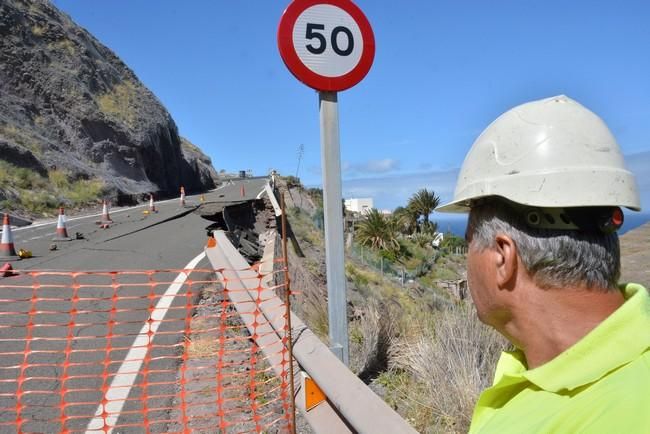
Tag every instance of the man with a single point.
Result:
(543, 185)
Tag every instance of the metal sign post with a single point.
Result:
(332, 209)
(329, 46)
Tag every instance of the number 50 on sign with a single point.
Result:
(326, 44)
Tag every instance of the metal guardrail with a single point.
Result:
(351, 406)
(274, 200)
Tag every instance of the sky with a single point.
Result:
(443, 70)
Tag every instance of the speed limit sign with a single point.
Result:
(329, 46)
(326, 44)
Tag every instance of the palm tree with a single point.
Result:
(377, 232)
(424, 202)
(406, 219)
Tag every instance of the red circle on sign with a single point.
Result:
(300, 70)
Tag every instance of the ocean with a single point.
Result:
(456, 225)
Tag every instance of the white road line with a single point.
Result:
(53, 222)
(129, 369)
(69, 228)
(37, 225)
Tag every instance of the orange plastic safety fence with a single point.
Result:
(140, 351)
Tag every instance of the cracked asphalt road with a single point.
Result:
(135, 241)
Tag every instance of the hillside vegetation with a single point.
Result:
(414, 339)
(37, 195)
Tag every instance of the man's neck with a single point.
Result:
(553, 320)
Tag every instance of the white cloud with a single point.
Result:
(379, 166)
(385, 165)
(392, 190)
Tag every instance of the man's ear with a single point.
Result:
(505, 261)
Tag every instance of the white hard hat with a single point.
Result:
(548, 153)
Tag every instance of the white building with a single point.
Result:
(437, 239)
(359, 205)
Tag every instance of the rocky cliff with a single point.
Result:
(69, 103)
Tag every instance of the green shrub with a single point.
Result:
(86, 191)
(360, 281)
(20, 137)
(316, 195)
(293, 181)
(42, 196)
(451, 241)
(59, 179)
(423, 239)
(445, 273)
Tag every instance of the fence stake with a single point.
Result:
(287, 302)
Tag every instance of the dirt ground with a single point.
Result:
(229, 386)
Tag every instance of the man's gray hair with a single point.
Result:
(555, 258)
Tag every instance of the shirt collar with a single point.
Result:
(619, 339)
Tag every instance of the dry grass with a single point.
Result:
(202, 346)
(449, 363)
(63, 47)
(303, 227)
(203, 342)
(189, 146)
(20, 136)
(38, 30)
(42, 196)
(314, 311)
(120, 102)
(372, 335)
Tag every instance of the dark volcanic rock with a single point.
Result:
(21, 157)
(67, 101)
(198, 164)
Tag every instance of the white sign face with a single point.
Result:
(327, 40)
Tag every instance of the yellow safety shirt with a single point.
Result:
(599, 385)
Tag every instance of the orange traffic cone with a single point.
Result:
(105, 217)
(182, 196)
(7, 249)
(61, 230)
(7, 270)
(243, 191)
(152, 206)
